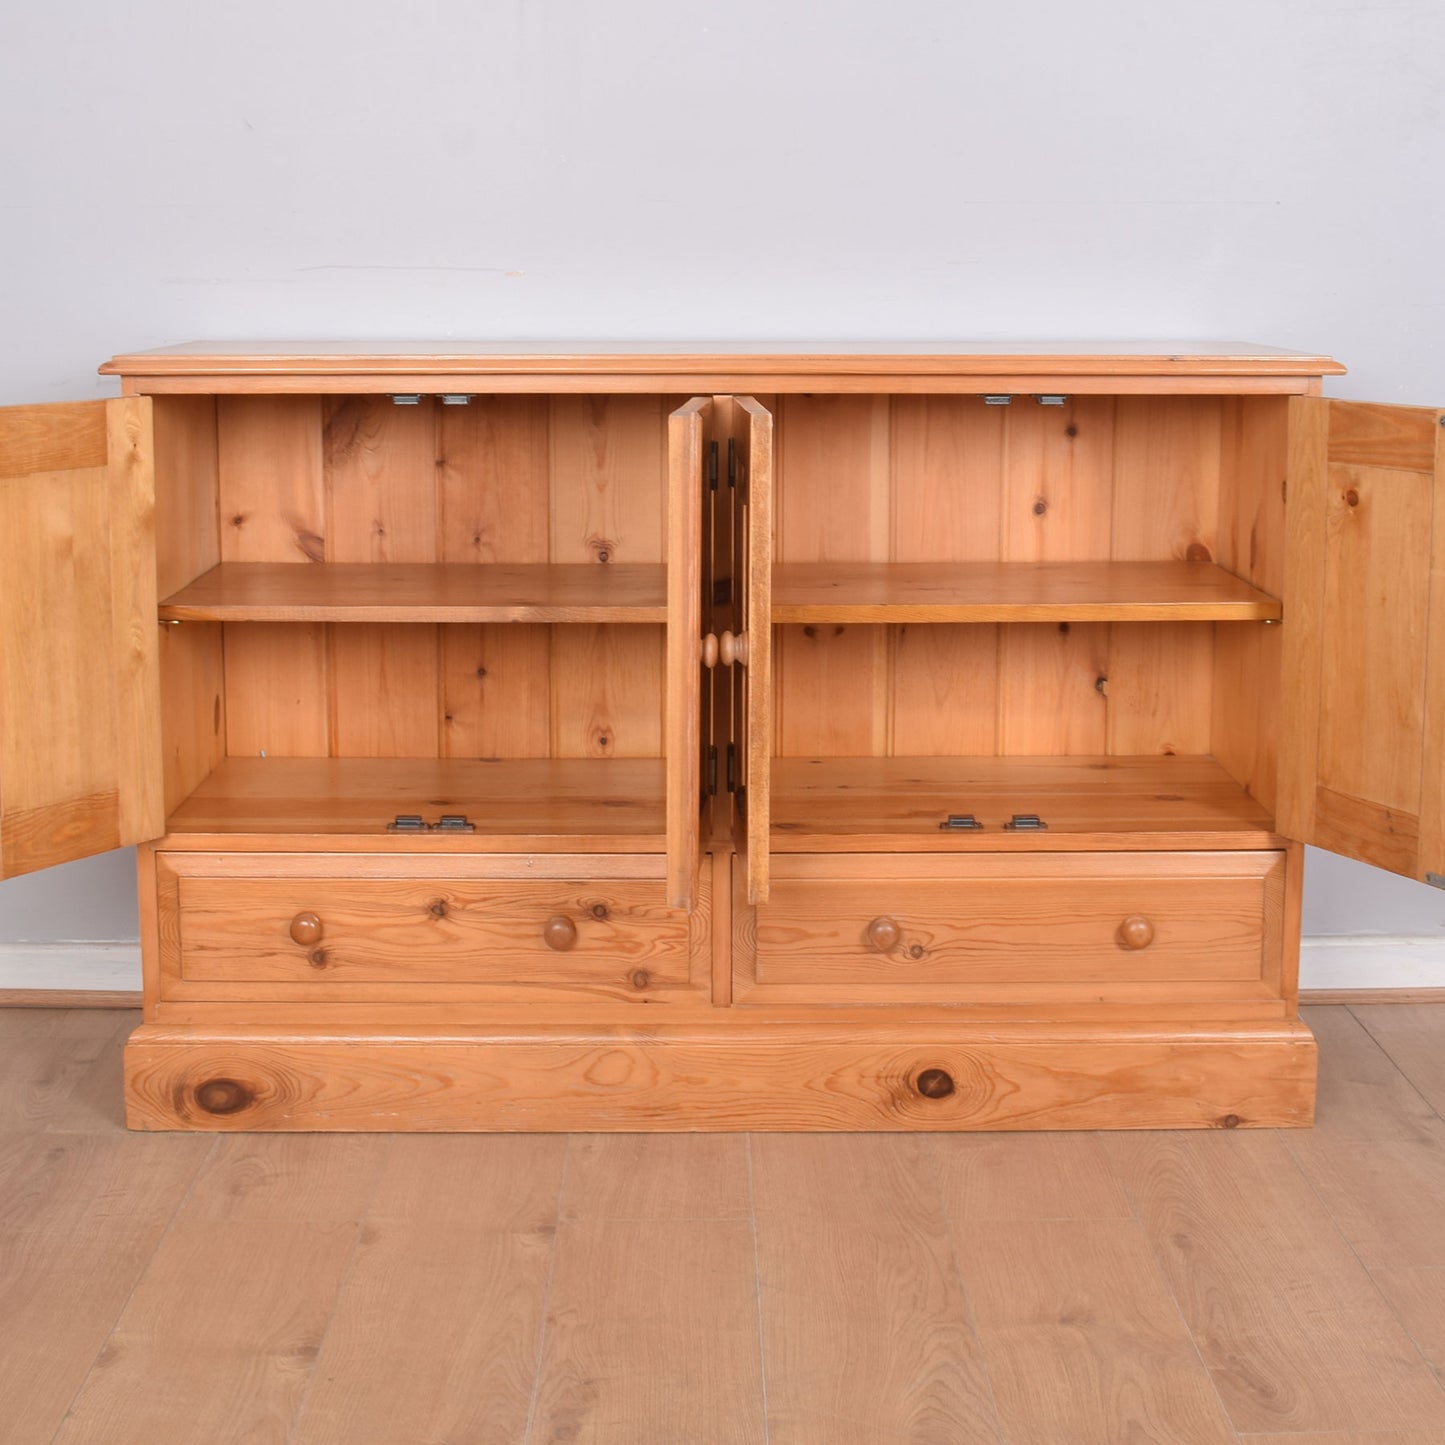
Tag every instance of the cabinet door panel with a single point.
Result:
(80, 758)
(753, 445)
(1365, 634)
(689, 430)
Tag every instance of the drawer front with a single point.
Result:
(294, 935)
(1081, 927)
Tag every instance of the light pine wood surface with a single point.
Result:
(785, 1289)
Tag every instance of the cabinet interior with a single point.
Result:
(385, 608)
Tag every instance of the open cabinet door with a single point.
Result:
(80, 750)
(1363, 766)
(689, 433)
(751, 469)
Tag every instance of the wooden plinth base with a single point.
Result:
(757, 1078)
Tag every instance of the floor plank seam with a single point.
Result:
(201, 1164)
(1395, 1064)
(1159, 1268)
(758, 1296)
(547, 1291)
(362, 1216)
(931, 1147)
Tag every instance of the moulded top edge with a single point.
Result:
(741, 358)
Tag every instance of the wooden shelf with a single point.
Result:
(1015, 592)
(897, 804)
(422, 592)
(540, 804)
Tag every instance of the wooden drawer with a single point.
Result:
(1013, 928)
(363, 927)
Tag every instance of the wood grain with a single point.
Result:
(1080, 1327)
(80, 754)
(1288, 1322)
(632, 1354)
(1014, 592)
(866, 1333)
(1067, 1075)
(422, 592)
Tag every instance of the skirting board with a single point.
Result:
(1329, 964)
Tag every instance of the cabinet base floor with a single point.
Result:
(758, 1077)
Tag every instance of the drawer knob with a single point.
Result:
(559, 932)
(1136, 932)
(935, 1083)
(884, 934)
(306, 929)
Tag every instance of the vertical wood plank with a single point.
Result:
(492, 479)
(1058, 480)
(1160, 689)
(272, 490)
(945, 690)
(946, 479)
(381, 494)
(831, 503)
(608, 489)
(1166, 478)
(754, 426)
(273, 509)
(1049, 699)
(276, 689)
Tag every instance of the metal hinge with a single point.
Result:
(712, 466)
(407, 823)
(1026, 823)
(732, 462)
(722, 592)
(712, 772)
(959, 822)
(732, 767)
(454, 823)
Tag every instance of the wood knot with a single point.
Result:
(1041, 506)
(1230, 1121)
(317, 959)
(599, 910)
(934, 1083)
(1198, 552)
(438, 908)
(223, 1096)
(1352, 498)
(915, 950)
(639, 978)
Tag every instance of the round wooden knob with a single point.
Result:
(1136, 932)
(884, 933)
(710, 650)
(559, 932)
(223, 1096)
(935, 1083)
(732, 647)
(306, 929)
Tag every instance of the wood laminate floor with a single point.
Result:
(855, 1289)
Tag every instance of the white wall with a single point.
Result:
(1248, 169)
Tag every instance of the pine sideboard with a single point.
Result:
(721, 736)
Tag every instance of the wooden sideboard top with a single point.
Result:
(1032, 358)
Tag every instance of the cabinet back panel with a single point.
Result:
(1014, 690)
(503, 479)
